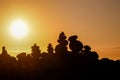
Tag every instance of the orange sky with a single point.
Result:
(96, 22)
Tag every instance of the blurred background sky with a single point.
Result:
(96, 22)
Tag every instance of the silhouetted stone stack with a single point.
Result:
(61, 48)
(36, 52)
(50, 49)
(75, 45)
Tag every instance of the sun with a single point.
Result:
(19, 29)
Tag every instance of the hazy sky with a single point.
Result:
(96, 22)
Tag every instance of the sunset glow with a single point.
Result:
(96, 22)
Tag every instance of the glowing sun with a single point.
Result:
(19, 28)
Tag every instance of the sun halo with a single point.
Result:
(18, 29)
